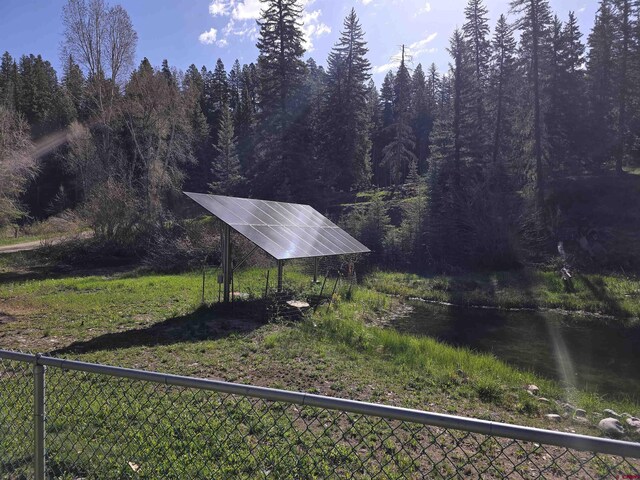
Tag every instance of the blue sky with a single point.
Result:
(200, 31)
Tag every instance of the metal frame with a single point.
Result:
(227, 270)
(311, 219)
(280, 272)
(485, 427)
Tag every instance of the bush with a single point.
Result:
(180, 246)
(114, 213)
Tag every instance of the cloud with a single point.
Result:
(312, 27)
(425, 9)
(418, 47)
(247, 10)
(241, 15)
(386, 67)
(237, 9)
(411, 51)
(218, 7)
(207, 38)
(366, 2)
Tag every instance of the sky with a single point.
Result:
(201, 31)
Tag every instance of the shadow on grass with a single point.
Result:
(57, 272)
(205, 323)
(599, 290)
(14, 468)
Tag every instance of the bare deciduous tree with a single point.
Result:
(102, 40)
(17, 163)
(155, 114)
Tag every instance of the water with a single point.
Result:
(590, 354)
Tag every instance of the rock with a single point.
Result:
(611, 426)
(581, 420)
(580, 413)
(553, 417)
(544, 400)
(633, 422)
(611, 413)
(569, 408)
(297, 304)
(533, 389)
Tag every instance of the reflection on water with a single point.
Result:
(584, 353)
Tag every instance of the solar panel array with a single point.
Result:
(283, 230)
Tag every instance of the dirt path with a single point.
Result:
(26, 246)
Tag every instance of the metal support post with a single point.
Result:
(280, 267)
(315, 270)
(226, 262)
(39, 419)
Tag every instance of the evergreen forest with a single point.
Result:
(504, 158)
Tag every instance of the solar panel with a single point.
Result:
(283, 230)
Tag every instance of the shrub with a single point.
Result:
(113, 211)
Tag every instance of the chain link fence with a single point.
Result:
(110, 423)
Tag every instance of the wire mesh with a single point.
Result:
(16, 420)
(107, 427)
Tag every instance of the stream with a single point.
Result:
(590, 354)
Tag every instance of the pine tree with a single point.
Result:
(535, 18)
(458, 51)
(198, 173)
(280, 156)
(575, 88)
(8, 81)
(503, 80)
(387, 99)
(218, 97)
(166, 71)
(554, 115)
(601, 74)
(434, 85)
(398, 153)
(314, 91)
(220, 87)
(625, 15)
(374, 115)
(74, 83)
(245, 121)
(226, 164)
(476, 35)
(235, 86)
(422, 116)
(38, 95)
(567, 97)
(451, 174)
(347, 142)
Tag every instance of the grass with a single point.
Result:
(156, 322)
(632, 170)
(609, 295)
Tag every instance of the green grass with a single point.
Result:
(54, 313)
(610, 295)
(156, 322)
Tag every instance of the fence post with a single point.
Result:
(39, 418)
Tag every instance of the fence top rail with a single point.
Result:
(518, 432)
